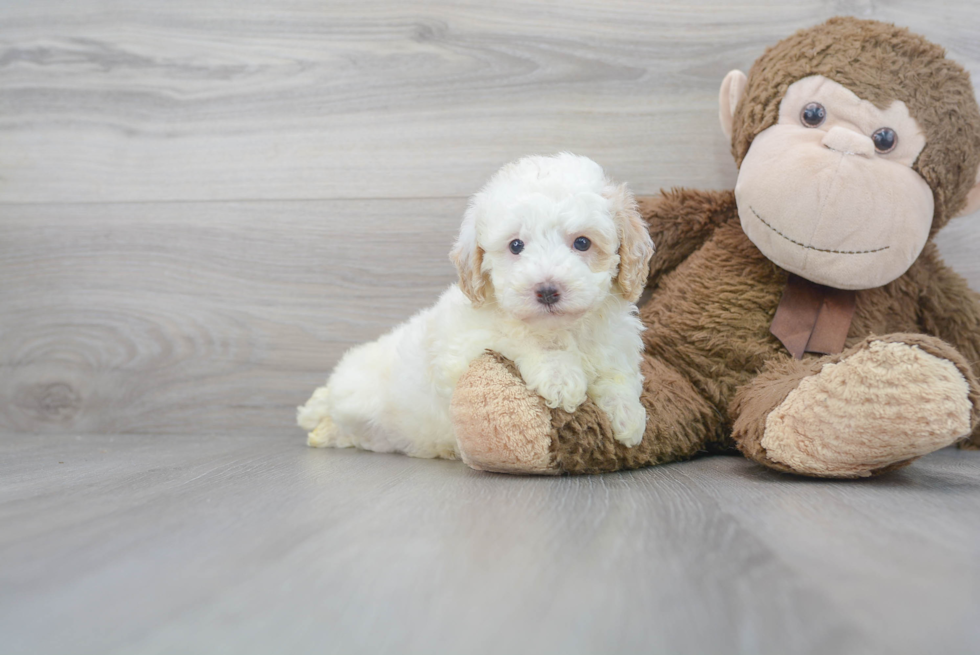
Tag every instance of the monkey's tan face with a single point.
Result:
(829, 192)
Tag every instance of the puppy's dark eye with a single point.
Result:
(813, 114)
(885, 140)
(582, 243)
(516, 246)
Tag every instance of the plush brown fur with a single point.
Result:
(708, 339)
(713, 371)
(879, 63)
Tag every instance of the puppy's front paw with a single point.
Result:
(627, 415)
(559, 386)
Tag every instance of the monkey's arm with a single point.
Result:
(950, 309)
(680, 221)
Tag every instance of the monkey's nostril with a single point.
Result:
(547, 294)
(848, 142)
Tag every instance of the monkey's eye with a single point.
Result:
(582, 243)
(885, 140)
(813, 114)
(516, 246)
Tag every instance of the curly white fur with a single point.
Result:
(393, 395)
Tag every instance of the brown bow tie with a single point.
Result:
(813, 318)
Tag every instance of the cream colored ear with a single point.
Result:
(635, 245)
(732, 88)
(468, 258)
(972, 199)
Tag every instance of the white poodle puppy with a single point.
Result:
(551, 257)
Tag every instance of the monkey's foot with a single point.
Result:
(500, 424)
(887, 403)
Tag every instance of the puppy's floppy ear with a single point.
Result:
(635, 245)
(468, 258)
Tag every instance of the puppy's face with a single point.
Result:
(549, 238)
(551, 257)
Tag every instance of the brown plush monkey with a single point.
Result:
(805, 318)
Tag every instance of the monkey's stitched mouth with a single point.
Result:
(803, 245)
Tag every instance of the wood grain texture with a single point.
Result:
(242, 99)
(139, 544)
(166, 317)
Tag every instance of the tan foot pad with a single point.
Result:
(888, 403)
(501, 425)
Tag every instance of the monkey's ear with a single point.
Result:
(467, 255)
(972, 199)
(635, 245)
(732, 90)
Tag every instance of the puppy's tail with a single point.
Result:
(314, 417)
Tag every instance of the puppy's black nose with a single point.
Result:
(547, 294)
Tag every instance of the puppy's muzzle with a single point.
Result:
(547, 294)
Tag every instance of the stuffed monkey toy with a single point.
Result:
(805, 318)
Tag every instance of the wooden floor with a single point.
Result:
(203, 203)
(147, 544)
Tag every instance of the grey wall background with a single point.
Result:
(202, 204)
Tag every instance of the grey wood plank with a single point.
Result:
(865, 545)
(140, 544)
(222, 99)
(201, 318)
